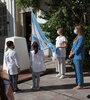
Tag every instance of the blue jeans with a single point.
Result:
(14, 79)
(78, 64)
(36, 75)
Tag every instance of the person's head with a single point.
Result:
(10, 45)
(35, 46)
(60, 31)
(79, 30)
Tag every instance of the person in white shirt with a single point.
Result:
(61, 44)
(37, 65)
(12, 64)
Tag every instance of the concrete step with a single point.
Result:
(26, 75)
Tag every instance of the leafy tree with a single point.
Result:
(66, 14)
(63, 13)
(27, 3)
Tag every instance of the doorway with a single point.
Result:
(28, 29)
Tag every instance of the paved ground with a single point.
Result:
(53, 88)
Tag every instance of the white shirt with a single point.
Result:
(37, 61)
(59, 42)
(11, 60)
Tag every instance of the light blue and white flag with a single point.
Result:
(39, 37)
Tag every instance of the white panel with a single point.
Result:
(46, 52)
(1, 1)
(21, 49)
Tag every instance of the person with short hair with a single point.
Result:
(12, 64)
(37, 65)
(61, 44)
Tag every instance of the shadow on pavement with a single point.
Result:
(88, 96)
(56, 87)
(69, 69)
(66, 86)
(87, 85)
(26, 91)
(86, 74)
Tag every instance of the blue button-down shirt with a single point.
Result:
(79, 48)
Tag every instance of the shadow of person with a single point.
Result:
(88, 96)
(57, 87)
(65, 86)
(86, 85)
(25, 91)
(48, 88)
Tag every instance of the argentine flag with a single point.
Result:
(39, 37)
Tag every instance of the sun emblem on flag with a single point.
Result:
(46, 44)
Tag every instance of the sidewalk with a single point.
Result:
(53, 88)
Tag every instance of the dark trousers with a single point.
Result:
(13, 79)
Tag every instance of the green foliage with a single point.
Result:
(27, 3)
(66, 15)
(87, 46)
(63, 13)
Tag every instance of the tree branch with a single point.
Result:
(69, 6)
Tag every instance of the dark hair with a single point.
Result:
(35, 45)
(2, 90)
(61, 31)
(9, 44)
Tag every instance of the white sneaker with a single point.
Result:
(58, 75)
(14, 92)
(62, 76)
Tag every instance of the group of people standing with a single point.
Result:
(76, 53)
(37, 59)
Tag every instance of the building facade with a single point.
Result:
(14, 21)
(7, 21)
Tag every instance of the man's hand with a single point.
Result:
(71, 54)
(18, 70)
